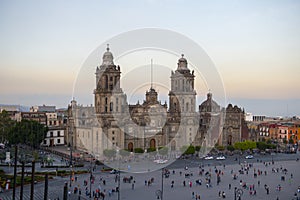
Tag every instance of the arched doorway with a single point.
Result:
(130, 146)
(229, 140)
(152, 143)
(173, 145)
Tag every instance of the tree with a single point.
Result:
(124, 152)
(138, 150)
(245, 145)
(197, 148)
(28, 132)
(188, 149)
(151, 149)
(220, 148)
(6, 124)
(230, 148)
(261, 145)
(291, 141)
(163, 151)
(109, 153)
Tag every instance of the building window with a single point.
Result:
(113, 138)
(45, 141)
(113, 132)
(51, 134)
(111, 106)
(58, 141)
(58, 133)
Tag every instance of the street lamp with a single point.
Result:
(162, 183)
(119, 175)
(91, 176)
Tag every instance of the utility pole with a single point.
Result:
(32, 180)
(15, 172)
(22, 180)
(65, 195)
(46, 187)
(162, 184)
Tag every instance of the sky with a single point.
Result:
(255, 46)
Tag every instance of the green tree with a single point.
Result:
(291, 141)
(245, 145)
(188, 149)
(261, 145)
(6, 124)
(220, 148)
(124, 152)
(197, 148)
(163, 151)
(230, 148)
(28, 132)
(138, 150)
(151, 149)
(109, 153)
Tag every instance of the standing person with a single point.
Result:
(132, 185)
(223, 195)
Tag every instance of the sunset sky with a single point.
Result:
(255, 46)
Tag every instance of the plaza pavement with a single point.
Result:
(179, 192)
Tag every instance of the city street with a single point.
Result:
(272, 179)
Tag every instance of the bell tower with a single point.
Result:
(110, 101)
(182, 96)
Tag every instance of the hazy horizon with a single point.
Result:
(254, 45)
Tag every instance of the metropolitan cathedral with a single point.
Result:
(114, 124)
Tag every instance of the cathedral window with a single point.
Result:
(106, 82)
(111, 106)
(111, 87)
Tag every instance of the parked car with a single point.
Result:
(160, 161)
(209, 158)
(249, 157)
(220, 158)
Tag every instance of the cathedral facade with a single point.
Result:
(151, 124)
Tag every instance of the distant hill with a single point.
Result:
(14, 107)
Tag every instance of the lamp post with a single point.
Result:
(162, 183)
(91, 175)
(119, 175)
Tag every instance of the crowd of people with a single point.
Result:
(247, 177)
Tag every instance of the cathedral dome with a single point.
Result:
(182, 63)
(209, 105)
(108, 58)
